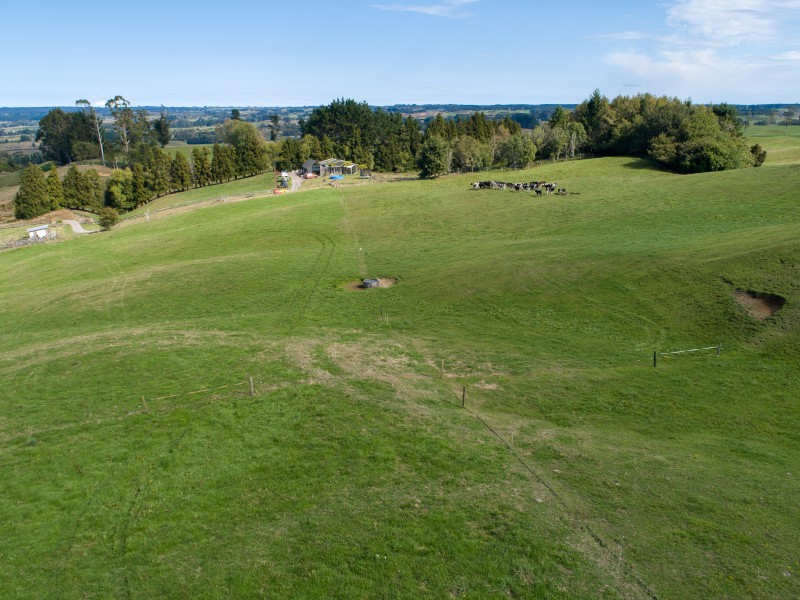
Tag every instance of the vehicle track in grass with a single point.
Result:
(71, 542)
(303, 292)
(130, 514)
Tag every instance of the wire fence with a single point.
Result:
(143, 408)
(579, 522)
(675, 353)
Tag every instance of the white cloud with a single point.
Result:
(711, 47)
(447, 8)
(622, 36)
(731, 21)
(790, 55)
(686, 65)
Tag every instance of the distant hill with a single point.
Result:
(35, 113)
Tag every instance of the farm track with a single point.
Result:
(302, 294)
(129, 515)
(348, 225)
(120, 541)
(72, 541)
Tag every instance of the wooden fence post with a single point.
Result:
(252, 388)
(463, 395)
(655, 358)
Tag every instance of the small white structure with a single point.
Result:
(39, 232)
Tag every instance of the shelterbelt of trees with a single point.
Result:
(143, 171)
(679, 135)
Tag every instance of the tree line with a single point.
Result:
(678, 135)
(149, 172)
(388, 142)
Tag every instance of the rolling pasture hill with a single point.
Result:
(139, 462)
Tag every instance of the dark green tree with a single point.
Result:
(119, 190)
(140, 191)
(759, 155)
(593, 114)
(55, 191)
(65, 135)
(180, 172)
(342, 121)
(559, 118)
(162, 128)
(435, 157)
(94, 190)
(700, 145)
(32, 198)
(201, 166)
(249, 146)
(437, 127)
(75, 189)
(142, 132)
(108, 218)
(274, 127)
(291, 155)
(326, 147)
(223, 163)
(160, 173)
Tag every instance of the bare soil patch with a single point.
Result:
(759, 306)
(482, 385)
(358, 284)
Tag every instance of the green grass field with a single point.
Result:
(257, 185)
(186, 149)
(137, 464)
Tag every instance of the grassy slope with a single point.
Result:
(352, 472)
(262, 184)
(174, 147)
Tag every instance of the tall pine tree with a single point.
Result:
(201, 166)
(180, 172)
(55, 190)
(32, 198)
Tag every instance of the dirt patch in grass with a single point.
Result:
(358, 284)
(486, 386)
(759, 306)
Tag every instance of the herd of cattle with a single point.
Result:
(539, 187)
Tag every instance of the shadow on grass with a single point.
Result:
(641, 164)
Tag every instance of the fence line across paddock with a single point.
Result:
(718, 348)
(656, 354)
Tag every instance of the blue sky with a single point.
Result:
(264, 53)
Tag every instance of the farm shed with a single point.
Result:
(330, 166)
(39, 232)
